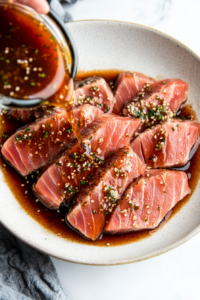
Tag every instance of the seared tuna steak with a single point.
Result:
(158, 102)
(96, 202)
(37, 144)
(147, 200)
(28, 115)
(94, 91)
(128, 85)
(73, 170)
(167, 145)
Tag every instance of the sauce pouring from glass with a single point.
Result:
(38, 60)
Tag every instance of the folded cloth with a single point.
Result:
(26, 274)
(56, 6)
(68, 1)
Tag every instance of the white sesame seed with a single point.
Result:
(99, 151)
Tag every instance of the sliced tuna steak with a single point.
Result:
(28, 115)
(94, 91)
(96, 202)
(128, 85)
(41, 141)
(157, 102)
(147, 200)
(73, 170)
(167, 145)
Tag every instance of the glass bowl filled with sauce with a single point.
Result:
(37, 56)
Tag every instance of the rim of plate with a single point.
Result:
(138, 258)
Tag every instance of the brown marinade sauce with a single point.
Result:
(31, 61)
(54, 221)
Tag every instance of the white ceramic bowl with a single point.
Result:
(124, 46)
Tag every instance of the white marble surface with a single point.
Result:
(174, 275)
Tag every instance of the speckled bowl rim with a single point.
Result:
(154, 253)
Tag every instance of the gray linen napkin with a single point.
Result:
(26, 274)
(56, 6)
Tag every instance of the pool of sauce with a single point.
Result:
(53, 220)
